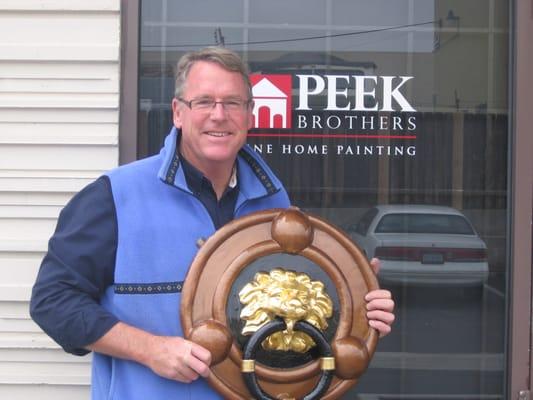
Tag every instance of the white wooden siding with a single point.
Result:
(59, 99)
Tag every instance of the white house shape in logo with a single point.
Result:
(267, 95)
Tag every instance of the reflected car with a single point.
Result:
(422, 245)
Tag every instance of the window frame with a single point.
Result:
(521, 202)
(129, 80)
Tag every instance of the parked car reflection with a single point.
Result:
(422, 244)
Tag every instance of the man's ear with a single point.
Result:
(176, 113)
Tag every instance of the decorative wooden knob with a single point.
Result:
(292, 230)
(215, 337)
(351, 357)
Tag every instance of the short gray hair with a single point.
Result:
(227, 59)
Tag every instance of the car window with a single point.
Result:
(424, 223)
(364, 223)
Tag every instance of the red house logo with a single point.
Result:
(272, 101)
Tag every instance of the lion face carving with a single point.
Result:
(289, 295)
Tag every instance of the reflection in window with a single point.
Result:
(424, 223)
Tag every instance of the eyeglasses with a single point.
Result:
(230, 105)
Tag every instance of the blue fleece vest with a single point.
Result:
(159, 221)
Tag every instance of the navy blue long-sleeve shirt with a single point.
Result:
(80, 263)
(76, 270)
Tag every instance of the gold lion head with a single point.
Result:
(289, 295)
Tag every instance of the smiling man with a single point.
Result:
(213, 131)
(111, 279)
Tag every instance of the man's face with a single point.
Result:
(212, 138)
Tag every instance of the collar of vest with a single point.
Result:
(254, 176)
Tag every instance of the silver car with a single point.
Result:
(422, 244)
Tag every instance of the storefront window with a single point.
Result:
(390, 119)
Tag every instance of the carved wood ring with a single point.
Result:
(257, 242)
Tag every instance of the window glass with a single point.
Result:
(282, 12)
(365, 221)
(363, 104)
(204, 11)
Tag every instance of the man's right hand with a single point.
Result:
(170, 357)
(178, 359)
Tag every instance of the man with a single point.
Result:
(111, 280)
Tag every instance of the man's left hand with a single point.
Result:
(380, 306)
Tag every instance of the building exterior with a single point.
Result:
(357, 104)
(59, 113)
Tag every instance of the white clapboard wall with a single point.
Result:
(59, 111)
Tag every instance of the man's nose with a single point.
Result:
(218, 111)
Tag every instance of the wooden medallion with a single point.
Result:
(314, 265)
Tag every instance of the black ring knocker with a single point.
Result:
(327, 362)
